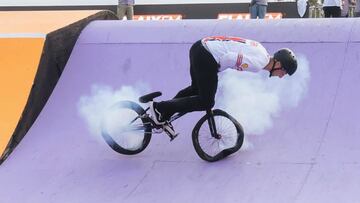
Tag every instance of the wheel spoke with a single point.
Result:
(125, 126)
(225, 128)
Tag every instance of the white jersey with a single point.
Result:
(237, 53)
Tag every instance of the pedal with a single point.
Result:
(172, 137)
(169, 130)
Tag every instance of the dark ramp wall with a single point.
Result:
(310, 155)
(56, 52)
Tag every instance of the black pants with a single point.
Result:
(200, 95)
(332, 11)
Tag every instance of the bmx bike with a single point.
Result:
(215, 136)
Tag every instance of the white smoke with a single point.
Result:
(255, 99)
(99, 109)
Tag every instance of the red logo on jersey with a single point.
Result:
(253, 43)
(239, 62)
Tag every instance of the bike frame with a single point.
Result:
(210, 120)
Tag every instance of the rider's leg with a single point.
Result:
(186, 92)
(189, 91)
(205, 70)
(192, 89)
(207, 82)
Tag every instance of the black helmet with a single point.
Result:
(287, 59)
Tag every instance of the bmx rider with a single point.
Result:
(211, 55)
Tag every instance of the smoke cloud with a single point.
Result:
(255, 99)
(99, 109)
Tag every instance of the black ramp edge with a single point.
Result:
(56, 52)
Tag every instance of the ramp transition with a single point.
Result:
(311, 154)
(35, 47)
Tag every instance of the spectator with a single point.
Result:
(315, 8)
(125, 7)
(345, 8)
(357, 8)
(332, 8)
(348, 9)
(352, 6)
(258, 9)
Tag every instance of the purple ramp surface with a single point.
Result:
(311, 154)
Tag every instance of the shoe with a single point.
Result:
(169, 129)
(157, 130)
(156, 115)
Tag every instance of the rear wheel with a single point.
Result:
(229, 139)
(124, 130)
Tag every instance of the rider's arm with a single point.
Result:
(231, 60)
(251, 59)
(244, 62)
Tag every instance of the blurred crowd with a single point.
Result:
(258, 8)
(334, 8)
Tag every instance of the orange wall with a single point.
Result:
(38, 21)
(19, 59)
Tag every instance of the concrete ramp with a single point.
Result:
(311, 154)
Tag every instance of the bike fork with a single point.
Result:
(212, 125)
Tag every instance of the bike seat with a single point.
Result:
(149, 97)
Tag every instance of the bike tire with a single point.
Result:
(144, 125)
(197, 136)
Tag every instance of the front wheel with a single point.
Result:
(229, 138)
(125, 129)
